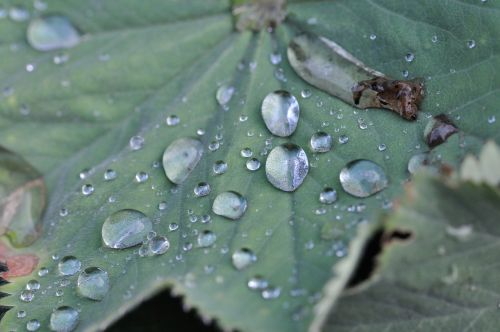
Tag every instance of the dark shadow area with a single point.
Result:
(163, 312)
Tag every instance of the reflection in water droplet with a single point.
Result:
(328, 196)
(224, 94)
(417, 162)
(69, 265)
(321, 142)
(33, 325)
(64, 319)
(51, 33)
(280, 111)
(181, 157)
(206, 238)
(253, 164)
(287, 166)
(242, 258)
(220, 167)
(363, 178)
(125, 228)
(93, 283)
(230, 204)
(257, 283)
(158, 245)
(202, 189)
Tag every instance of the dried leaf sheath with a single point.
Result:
(327, 66)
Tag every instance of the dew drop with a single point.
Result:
(93, 283)
(492, 119)
(206, 238)
(242, 258)
(230, 204)
(87, 189)
(27, 295)
(417, 162)
(141, 177)
(64, 319)
(253, 164)
(257, 283)
(321, 142)
(202, 189)
(287, 166)
(19, 14)
(181, 157)
(158, 245)
(51, 33)
(33, 325)
(172, 120)
(136, 143)
(280, 111)
(21, 314)
(69, 265)
(224, 94)
(382, 147)
(271, 293)
(328, 196)
(373, 36)
(409, 57)
(219, 167)
(306, 93)
(275, 58)
(125, 228)
(43, 272)
(343, 139)
(363, 178)
(471, 43)
(33, 285)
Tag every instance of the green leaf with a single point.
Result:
(444, 277)
(139, 62)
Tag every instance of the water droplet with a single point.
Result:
(59, 292)
(125, 228)
(33, 285)
(306, 93)
(158, 245)
(181, 157)
(27, 295)
(59, 59)
(373, 36)
(328, 196)
(271, 293)
(471, 43)
(64, 319)
(224, 94)
(257, 283)
(409, 57)
(173, 227)
(280, 111)
(43, 272)
(343, 139)
(202, 189)
(93, 283)
(287, 166)
(109, 175)
(136, 143)
(33, 325)
(172, 120)
(321, 142)
(242, 258)
(141, 177)
(492, 119)
(19, 14)
(21, 314)
(69, 265)
(230, 204)
(382, 147)
(438, 129)
(418, 161)
(51, 33)
(220, 167)
(253, 164)
(363, 178)
(275, 58)
(434, 39)
(206, 238)
(87, 189)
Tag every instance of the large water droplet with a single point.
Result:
(93, 283)
(362, 178)
(64, 319)
(125, 228)
(69, 265)
(158, 245)
(321, 142)
(287, 166)
(242, 258)
(230, 204)
(51, 33)
(181, 157)
(280, 111)
(206, 238)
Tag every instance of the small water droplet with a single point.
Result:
(257, 283)
(109, 175)
(33, 285)
(173, 227)
(328, 196)
(43, 272)
(202, 189)
(87, 189)
(275, 58)
(280, 111)
(409, 57)
(229, 204)
(19, 14)
(33, 325)
(220, 167)
(343, 139)
(64, 319)
(434, 39)
(51, 33)
(373, 36)
(172, 120)
(61, 58)
(306, 93)
(206, 238)
(181, 157)
(471, 43)
(141, 177)
(382, 147)
(125, 228)
(63, 212)
(321, 142)
(271, 293)
(242, 258)
(363, 178)
(27, 295)
(93, 283)
(69, 265)
(253, 164)
(136, 143)
(287, 166)
(492, 119)
(21, 314)
(224, 94)
(158, 245)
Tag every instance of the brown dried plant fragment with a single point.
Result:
(329, 67)
(438, 130)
